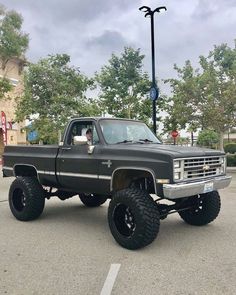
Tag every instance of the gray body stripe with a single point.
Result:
(105, 177)
(94, 176)
(7, 168)
(46, 172)
(78, 175)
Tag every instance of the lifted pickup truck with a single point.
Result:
(125, 162)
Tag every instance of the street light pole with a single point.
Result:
(154, 92)
(154, 85)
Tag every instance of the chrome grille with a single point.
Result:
(201, 167)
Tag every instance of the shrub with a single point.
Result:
(230, 148)
(207, 138)
(231, 160)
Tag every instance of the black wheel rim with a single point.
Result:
(90, 196)
(198, 204)
(124, 220)
(18, 199)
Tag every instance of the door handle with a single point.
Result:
(66, 148)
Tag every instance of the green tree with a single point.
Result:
(206, 97)
(54, 92)
(5, 86)
(208, 138)
(219, 84)
(182, 113)
(124, 86)
(13, 43)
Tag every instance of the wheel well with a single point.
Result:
(25, 170)
(124, 178)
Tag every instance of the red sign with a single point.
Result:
(4, 127)
(174, 133)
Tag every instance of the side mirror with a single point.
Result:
(80, 140)
(90, 149)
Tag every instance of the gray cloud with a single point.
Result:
(72, 10)
(107, 42)
(206, 9)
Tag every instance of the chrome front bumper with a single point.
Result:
(180, 190)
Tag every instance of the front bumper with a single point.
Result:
(181, 190)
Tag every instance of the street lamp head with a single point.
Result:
(158, 9)
(149, 12)
(145, 8)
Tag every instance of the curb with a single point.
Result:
(231, 169)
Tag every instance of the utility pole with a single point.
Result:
(154, 91)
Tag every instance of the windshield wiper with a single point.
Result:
(141, 141)
(145, 140)
(148, 140)
(124, 141)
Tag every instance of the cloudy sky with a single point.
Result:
(90, 30)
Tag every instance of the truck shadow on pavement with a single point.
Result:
(74, 213)
(173, 231)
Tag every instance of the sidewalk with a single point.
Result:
(231, 169)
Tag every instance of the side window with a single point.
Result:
(83, 128)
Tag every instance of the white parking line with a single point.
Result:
(110, 280)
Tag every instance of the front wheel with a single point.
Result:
(205, 208)
(92, 200)
(26, 198)
(133, 218)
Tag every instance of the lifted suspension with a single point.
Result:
(62, 195)
(166, 210)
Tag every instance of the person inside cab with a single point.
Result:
(89, 136)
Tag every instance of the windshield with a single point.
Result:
(119, 131)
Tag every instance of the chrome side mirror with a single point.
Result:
(80, 140)
(90, 149)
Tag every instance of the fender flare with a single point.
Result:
(24, 166)
(134, 168)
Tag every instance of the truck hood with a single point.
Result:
(170, 150)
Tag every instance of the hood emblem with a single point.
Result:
(206, 167)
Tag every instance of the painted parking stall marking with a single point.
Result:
(110, 280)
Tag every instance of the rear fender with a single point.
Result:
(25, 170)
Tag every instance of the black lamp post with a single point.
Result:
(154, 92)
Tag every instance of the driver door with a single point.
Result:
(78, 170)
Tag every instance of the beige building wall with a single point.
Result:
(12, 71)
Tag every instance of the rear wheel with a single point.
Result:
(92, 200)
(26, 198)
(205, 208)
(133, 218)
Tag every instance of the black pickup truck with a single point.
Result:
(125, 162)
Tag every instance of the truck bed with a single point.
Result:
(42, 157)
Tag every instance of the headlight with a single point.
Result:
(178, 169)
(177, 175)
(222, 160)
(223, 165)
(176, 164)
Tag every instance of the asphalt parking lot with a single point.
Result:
(69, 250)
